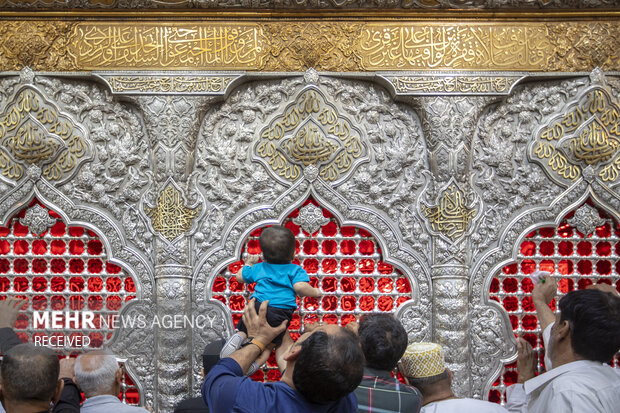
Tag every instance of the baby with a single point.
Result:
(277, 280)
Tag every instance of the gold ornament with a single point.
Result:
(170, 217)
(451, 217)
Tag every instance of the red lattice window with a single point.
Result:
(343, 261)
(575, 260)
(63, 269)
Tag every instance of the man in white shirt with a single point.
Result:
(423, 366)
(585, 334)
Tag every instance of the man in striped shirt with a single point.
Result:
(383, 340)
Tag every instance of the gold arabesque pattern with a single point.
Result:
(588, 134)
(34, 131)
(297, 44)
(310, 131)
(170, 217)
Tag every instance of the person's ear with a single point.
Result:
(60, 384)
(563, 330)
(293, 354)
(119, 376)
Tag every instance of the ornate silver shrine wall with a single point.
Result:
(429, 172)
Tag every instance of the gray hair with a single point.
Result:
(95, 373)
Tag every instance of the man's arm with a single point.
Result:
(542, 294)
(304, 289)
(262, 333)
(9, 309)
(69, 401)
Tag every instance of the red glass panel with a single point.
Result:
(237, 302)
(603, 267)
(347, 284)
(367, 284)
(527, 304)
(235, 266)
(57, 266)
(20, 284)
(547, 232)
(547, 248)
(234, 285)
(584, 267)
(604, 231)
(329, 265)
(566, 285)
(367, 266)
(114, 303)
(528, 248)
(510, 269)
(95, 302)
(584, 248)
(494, 285)
(58, 247)
(347, 247)
(76, 247)
(39, 247)
(5, 284)
(76, 265)
(113, 284)
(510, 285)
(347, 266)
(253, 247)
(95, 284)
(311, 265)
(330, 229)
(584, 283)
(529, 322)
(603, 249)
(348, 303)
(39, 266)
(112, 268)
(384, 268)
(95, 247)
(329, 303)
(565, 248)
(403, 286)
(528, 266)
(19, 230)
(367, 247)
(329, 284)
(95, 265)
(511, 303)
(386, 285)
(21, 247)
(346, 319)
(76, 284)
(329, 247)
(386, 303)
(311, 247)
(367, 303)
(311, 303)
(76, 303)
(347, 231)
(57, 303)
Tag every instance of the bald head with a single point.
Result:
(96, 373)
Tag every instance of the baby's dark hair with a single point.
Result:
(278, 244)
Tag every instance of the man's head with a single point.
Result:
(383, 339)
(30, 375)
(278, 244)
(590, 321)
(424, 367)
(97, 373)
(328, 364)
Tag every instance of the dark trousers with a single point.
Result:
(275, 316)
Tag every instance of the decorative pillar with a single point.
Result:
(173, 123)
(450, 207)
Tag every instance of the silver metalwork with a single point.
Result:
(37, 219)
(310, 218)
(586, 219)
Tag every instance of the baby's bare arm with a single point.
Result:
(304, 289)
(239, 276)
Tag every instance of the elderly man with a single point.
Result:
(584, 335)
(323, 368)
(423, 366)
(384, 340)
(99, 376)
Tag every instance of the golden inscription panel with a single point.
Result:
(349, 45)
(451, 217)
(166, 45)
(461, 47)
(170, 217)
(587, 134)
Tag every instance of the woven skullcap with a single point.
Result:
(422, 360)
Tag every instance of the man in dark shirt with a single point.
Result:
(384, 341)
(323, 368)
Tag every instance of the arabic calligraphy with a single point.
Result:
(310, 131)
(34, 131)
(174, 46)
(451, 217)
(169, 84)
(463, 46)
(588, 133)
(170, 217)
(472, 85)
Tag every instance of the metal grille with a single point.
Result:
(575, 260)
(63, 269)
(343, 261)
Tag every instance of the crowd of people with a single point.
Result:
(335, 369)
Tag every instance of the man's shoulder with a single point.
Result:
(460, 405)
(588, 376)
(195, 404)
(105, 403)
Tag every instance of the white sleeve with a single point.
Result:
(516, 399)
